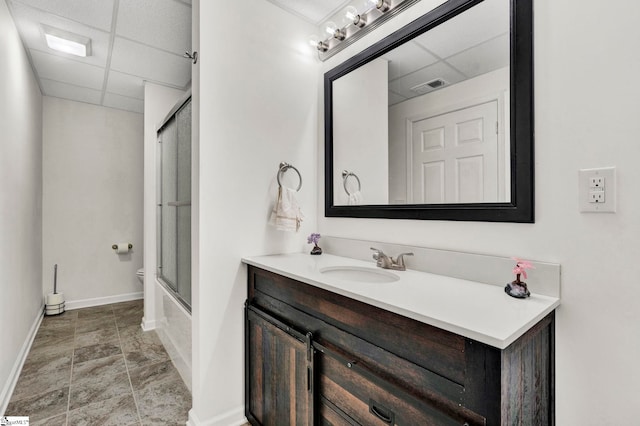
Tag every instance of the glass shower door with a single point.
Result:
(174, 222)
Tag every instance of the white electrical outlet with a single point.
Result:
(594, 195)
(596, 182)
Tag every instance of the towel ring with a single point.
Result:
(283, 168)
(345, 176)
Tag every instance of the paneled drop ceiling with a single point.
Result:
(132, 41)
(469, 45)
(313, 11)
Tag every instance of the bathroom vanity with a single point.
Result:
(411, 349)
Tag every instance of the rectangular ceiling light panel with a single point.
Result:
(64, 41)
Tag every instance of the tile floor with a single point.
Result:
(96, 366)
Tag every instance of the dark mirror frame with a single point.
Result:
(521, 207)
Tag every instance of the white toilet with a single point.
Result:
(140, 275)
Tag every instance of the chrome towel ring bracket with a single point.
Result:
(345, 176)
(283, 168)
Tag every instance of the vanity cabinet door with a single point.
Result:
(278, 373)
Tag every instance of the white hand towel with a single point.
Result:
(286, 214)
(355, 198)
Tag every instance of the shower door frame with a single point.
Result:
(169, 285)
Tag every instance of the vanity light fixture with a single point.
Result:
(333, 30)
(351, 16)
(316, 43)
(382, 5)
(64, 41)
(357, 24)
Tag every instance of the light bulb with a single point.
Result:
(369, 4)
(350, 14)
(314, 40)
(331, 28)
(335, 32)
(316, 43)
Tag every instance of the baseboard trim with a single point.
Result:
(231, 418)
(148, 325)
(97, 301)
(10, 385)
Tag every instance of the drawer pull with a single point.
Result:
(381, 412)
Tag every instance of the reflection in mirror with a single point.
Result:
(429, 121)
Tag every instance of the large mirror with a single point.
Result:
(436, 120)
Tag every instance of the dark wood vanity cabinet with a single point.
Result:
(279, 374)
(315, 357)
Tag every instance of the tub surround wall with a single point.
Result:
(92, 198)
(257, 106)
(20, 205)
(577, 125)
(174, 329)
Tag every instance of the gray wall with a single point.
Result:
(20, 203)
(93, 198)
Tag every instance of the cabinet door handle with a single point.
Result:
(381, 412)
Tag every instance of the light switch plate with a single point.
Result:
(597, 190)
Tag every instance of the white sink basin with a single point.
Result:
(360, 274)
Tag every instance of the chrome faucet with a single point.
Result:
(386, 262)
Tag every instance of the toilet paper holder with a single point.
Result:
(115, 246)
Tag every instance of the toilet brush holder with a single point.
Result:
(55, 304)
(55, 300)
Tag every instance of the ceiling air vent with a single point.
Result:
(429, 86)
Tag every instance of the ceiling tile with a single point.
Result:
(126, 85)
(394, 98)
(162, 23)
(54, 67)
(165, 24)
(95, 13)
(482, 22)
(29, 20)
(150, 64)
(123, 102)
(408, 58)
(486, 57)
(402, 86)
(69, 91)
(313, 11)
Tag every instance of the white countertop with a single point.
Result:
(475, 310)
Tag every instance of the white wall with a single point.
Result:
(361, 133)
(20, 204)
(256, 102)
(93, 179)
(580, 123)
(161, 311)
